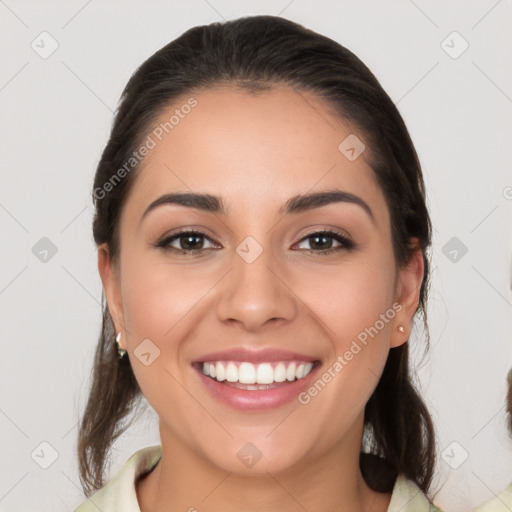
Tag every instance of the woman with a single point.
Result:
(262, 242)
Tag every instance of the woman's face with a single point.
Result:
(258, 281)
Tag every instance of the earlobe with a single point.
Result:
(110, 281)
(407, 294)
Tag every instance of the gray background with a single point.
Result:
(56, 115)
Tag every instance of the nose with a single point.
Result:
(256, 294)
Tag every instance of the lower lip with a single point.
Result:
(244, 399)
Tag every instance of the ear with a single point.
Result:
(110, 278)
(407, 294)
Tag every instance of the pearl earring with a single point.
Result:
(401, 328)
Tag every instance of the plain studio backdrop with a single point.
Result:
(446, 65)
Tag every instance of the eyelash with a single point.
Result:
(346, 243)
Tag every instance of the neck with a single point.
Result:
(185, 481)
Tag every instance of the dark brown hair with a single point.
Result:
(255, 53)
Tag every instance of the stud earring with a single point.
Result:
(401, 328)
(121, 351)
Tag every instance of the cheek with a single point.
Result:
(156, 296)
(355, 306)
(158, 303)
(351, 296)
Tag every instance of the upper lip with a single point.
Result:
(253, 355)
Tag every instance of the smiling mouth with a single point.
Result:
(249, 376)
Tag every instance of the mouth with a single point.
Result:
(252, 377)
(256, 386)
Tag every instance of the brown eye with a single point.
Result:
(322, 242)
(190, 242)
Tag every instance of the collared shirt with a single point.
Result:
(119, 494)
(501, 503)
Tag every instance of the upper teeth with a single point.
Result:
(264, 373)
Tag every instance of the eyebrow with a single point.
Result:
(296, 204)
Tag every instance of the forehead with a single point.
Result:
(253, 150)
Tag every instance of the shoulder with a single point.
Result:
(408, 497)
(500, 503)
(119, 494)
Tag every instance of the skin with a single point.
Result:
(256, 151)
